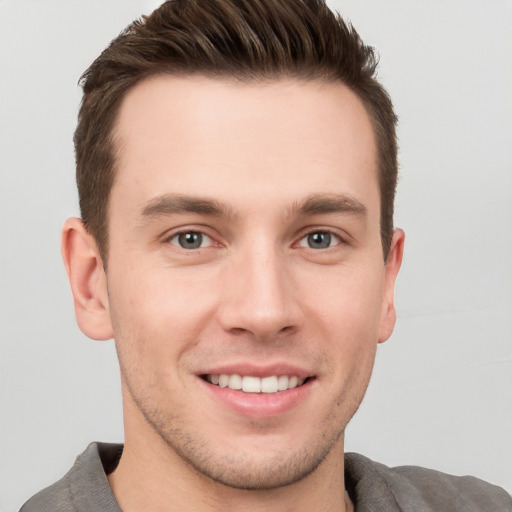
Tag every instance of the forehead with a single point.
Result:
(283, 138)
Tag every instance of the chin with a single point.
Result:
(250, 470)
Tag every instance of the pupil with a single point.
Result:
(190, 240)
(319, 240)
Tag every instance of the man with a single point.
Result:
(236, 166)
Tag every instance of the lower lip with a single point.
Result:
(261, 405)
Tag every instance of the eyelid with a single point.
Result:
(342, 238)
(205, 239)
(304, 242)
(171, 234)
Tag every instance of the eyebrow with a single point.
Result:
(318, 204)
(315, 204)
(169, 204)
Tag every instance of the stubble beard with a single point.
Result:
(241, 470)
(248, 469)
(244, 470)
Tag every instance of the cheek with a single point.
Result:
(350, 300)
(347, 326)
(141, 285)
(156, 315)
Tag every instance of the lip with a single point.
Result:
(257, 370)
(258, 405)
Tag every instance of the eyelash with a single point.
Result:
(331, 234)
(185, 233)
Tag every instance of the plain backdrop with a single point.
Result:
(441, 394)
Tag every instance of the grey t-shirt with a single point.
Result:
(373, 487)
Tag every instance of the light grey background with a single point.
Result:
(441, 394)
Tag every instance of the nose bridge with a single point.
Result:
(259, 298)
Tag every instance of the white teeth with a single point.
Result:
(269, 384)
(250, 384)
(282, 382)
(235, 382)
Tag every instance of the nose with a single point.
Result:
(258, 295)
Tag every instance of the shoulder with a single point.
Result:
(55, 497)
(419, 489)
(84, 487)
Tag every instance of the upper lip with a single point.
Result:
(253, 370)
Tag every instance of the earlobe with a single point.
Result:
(88, 281)
(393, 263)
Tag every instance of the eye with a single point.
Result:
(319, 240)
(191, 240)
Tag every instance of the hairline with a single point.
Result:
(254, 77)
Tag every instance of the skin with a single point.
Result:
(279, 161)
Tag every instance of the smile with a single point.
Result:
(251, 384)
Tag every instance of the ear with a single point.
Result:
(393, 263)
(88, 280)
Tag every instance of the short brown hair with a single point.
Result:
(240, 39)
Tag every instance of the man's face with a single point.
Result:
(245, 248)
